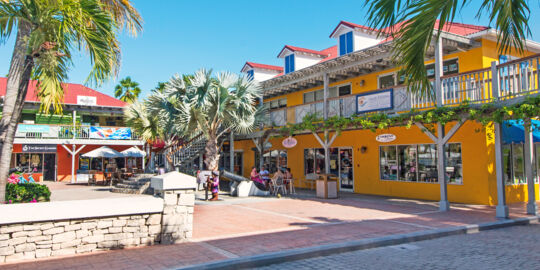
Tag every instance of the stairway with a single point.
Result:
(139, 184)
(183, 154)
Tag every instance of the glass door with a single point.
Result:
(346, 180)
(49, 167)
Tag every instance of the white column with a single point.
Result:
(438, 72)
(502, 208)
(73, 160)
(444, 205)
(231, 152)
(532, 208)
(74, 125)
(201, 164)
(326, 133)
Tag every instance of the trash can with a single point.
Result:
(327, 186)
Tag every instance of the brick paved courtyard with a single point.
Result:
(509, 248)
(244, 227)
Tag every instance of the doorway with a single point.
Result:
(341, 165)
(49, 167)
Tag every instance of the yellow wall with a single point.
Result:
(478, 157)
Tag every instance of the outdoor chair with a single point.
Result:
(291, 185)
(310, 179)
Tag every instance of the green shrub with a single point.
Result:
(29, 192)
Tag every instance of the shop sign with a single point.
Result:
(39, 148)
(289, 142)
(86, 100)
(22, 128)
(375, 101)
(384, 138)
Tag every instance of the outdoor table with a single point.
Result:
(327, 186)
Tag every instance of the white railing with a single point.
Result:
(39, 131)
(514, 79)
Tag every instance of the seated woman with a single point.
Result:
(255, 176)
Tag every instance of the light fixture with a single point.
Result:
(361, 82)
(363, 149)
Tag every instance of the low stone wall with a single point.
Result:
(29, 231)
(65, 237)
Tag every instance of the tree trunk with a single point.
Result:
(16, 88)
(212, 154)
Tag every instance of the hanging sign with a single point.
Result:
(384, 138)
(289, 142)
(375, 101)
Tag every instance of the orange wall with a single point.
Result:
(63, 159)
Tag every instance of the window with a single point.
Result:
(344, 90)
(449, 67)
(386, 81)
(346, 43)
(275, 104)
(313, 96)
(514, 164)
(314, 161)
(250, 74)
(418, 163)
(289, 63)
(272, 160)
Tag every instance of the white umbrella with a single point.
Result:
(104, 152)
(134, 152)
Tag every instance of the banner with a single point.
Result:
(375, 101)
(110, 133)
(36, 131)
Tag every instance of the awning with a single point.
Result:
(513, 131)
(134, 152)
(104, 152)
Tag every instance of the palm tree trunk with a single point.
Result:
(212, 154)
(17, 86)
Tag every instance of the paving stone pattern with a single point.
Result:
(509, 248)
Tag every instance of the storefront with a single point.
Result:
(35, 160)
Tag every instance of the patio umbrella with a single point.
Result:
(104, 152)
(134, 152)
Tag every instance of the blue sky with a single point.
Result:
(183, 36)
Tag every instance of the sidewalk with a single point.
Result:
(243, 227)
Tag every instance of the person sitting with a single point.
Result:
(255, 176)
(265, 176)
(288, 174)
(279, 174)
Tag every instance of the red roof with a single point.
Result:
(454, 28)
(264, 66)
(331, 52)
(71, 91)
(298, 49)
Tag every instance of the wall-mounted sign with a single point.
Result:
(375, 101)
(289, 142)
(39, 148)
(384, 138)
(111, 133)
(86, 100)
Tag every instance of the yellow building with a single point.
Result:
(357, 76)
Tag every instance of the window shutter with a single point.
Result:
(349, 42)
(342, 45)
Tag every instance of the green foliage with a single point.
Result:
(127, 90)
(484, 114)
(29, 192)
(415, 24)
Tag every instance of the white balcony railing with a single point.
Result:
(514, 79)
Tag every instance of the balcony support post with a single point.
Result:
(73, 153)
(231, 152)
(532, 208)
(501, 211)
(74, 124)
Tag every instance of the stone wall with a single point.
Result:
(38, 230)
(75, 236)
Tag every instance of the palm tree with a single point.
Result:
(128, 90)
(47, 32)
(214, 106)
(415, 35)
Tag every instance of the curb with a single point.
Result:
(324, 250)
